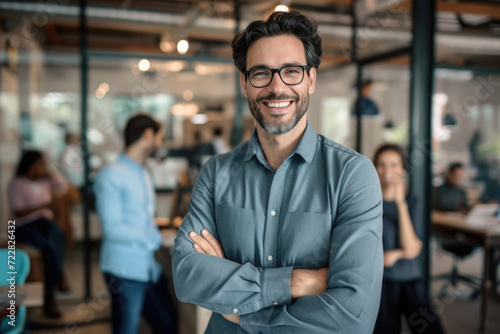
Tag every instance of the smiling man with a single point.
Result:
(283, 235)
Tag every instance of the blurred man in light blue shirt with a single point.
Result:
(125, 200)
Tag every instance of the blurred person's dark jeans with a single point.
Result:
(47, 237)
(130, 299)
(410, 299)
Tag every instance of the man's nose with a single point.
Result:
(277, 85)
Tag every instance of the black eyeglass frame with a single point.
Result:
(277, 70)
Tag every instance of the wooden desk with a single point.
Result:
(485, 232)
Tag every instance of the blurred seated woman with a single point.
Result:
(31, 203)
(403, 290)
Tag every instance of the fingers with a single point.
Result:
(206, 244)
(198, 249)
(201, 244)
(214, 243)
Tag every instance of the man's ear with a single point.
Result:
(243, 84)
(311, 80)
(148, 134)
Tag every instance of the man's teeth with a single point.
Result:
(278, 104)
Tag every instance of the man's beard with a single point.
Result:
(301, 106)
(153, 151)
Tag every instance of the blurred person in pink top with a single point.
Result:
(30, 196)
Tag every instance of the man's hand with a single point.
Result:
(207, 244)
(308, 282)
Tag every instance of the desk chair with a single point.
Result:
(22, 267)
(460, 248)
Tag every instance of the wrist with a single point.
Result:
(294, 284)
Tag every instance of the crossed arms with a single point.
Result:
(303, 282)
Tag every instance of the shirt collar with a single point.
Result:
(305, 148)
(307, 144)
(124, 159)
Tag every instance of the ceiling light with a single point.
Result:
(104, 86)
(182, 46)
(205, 69)
(199, 119)
(201, 69)
(186, 110)
(99, 94)
(167, 46)
(144, 65)
(281, 8)
(188, 95)
(102, 90)
(171, 66)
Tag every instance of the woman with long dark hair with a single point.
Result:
(30, 201)
(403, 289)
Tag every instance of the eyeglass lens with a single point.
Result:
(291, 75)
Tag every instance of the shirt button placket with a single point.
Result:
(270, 257)
(273, 216)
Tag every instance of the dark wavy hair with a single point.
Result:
(137, 125)
(390, 148)
(278, 24)
(28, 159)
(454, 166)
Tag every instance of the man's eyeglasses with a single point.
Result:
(290, 75)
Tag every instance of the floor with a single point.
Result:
(459, 314)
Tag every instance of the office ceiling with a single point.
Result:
(468, 31)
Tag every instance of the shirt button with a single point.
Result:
(270, 258)
(273, 213)
(235, 310)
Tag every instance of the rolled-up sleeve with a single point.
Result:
(214, 283)
(351, 302)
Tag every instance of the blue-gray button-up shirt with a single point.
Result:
(321, 208)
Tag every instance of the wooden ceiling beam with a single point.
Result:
(322, 2)
(488, 9)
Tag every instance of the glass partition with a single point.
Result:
(383, 26)
(330, 105)
(466, 127)
(191, 99)
(387, 85)
(40, 85)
